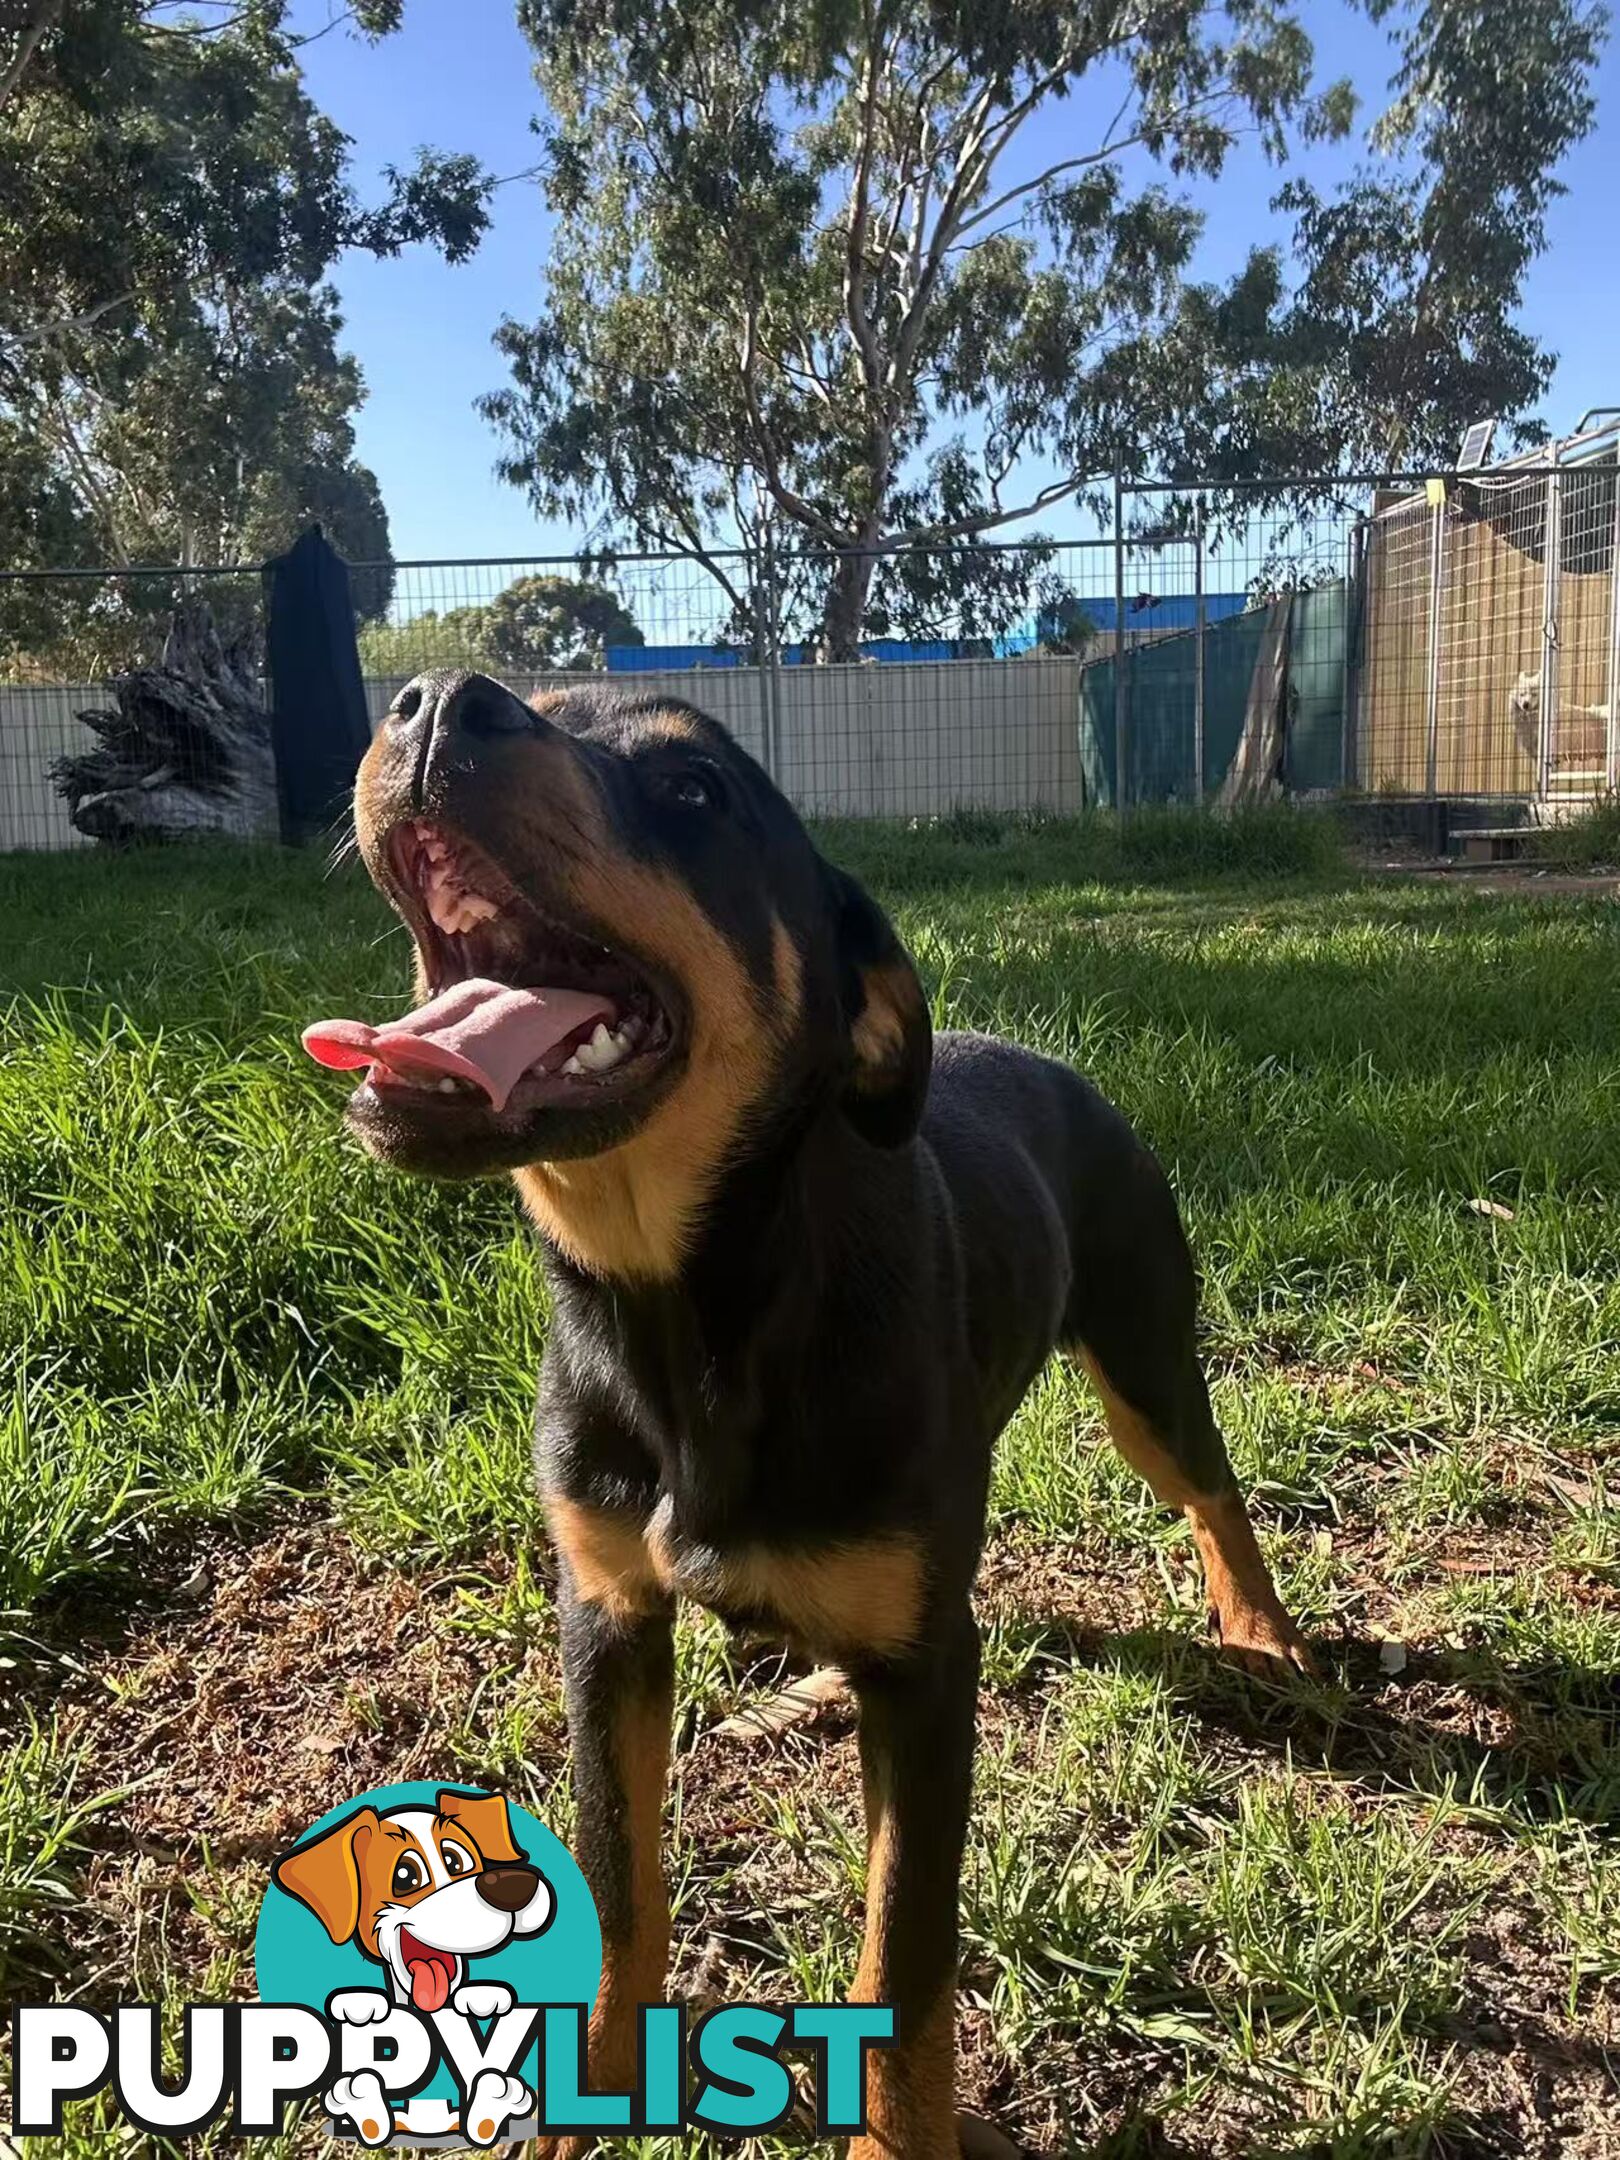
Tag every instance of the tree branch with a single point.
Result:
(1110, 149)
(41, 333)
(860, 322)
(44, 18)
(802, 512)
(961, 528)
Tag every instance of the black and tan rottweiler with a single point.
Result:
(805, 1258)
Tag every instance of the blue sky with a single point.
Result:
(458, 76)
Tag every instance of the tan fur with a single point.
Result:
(1138, 1442)
(862, 1596)
(787, 970)
(668, 727)
(865, 1595)
(909, 2086)
(893, 1006)
(634, 1972)
(607, 1557)
(630, 1213)
(1246, 1614)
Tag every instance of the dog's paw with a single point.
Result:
(492, 2103)
(361, 2102)
(358, 2006)
(1261, 1640)
(483, 1999)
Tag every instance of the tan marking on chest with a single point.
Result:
(863, 1595)
(866, 1594)
(607, 1556)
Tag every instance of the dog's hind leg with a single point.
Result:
(1132, 1321)
(1246, 1616)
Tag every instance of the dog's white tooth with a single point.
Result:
(630, 1027)
(602, 1052)
(573, 1065)
(449, 1085)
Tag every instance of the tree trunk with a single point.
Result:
(844, 615)
(184, 750)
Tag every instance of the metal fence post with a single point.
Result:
(1437, 569)
(1549, 630)
(1121, 693)
(1612, 762)
(773, 662)
(1349, 679)
(1199, 615)
(762, 652)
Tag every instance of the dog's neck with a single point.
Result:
(765, 1233)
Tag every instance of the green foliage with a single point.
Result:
(172, 388)
(535, 626)
(805, 290)
(1590, 840)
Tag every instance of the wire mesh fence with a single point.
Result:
(1411, 638)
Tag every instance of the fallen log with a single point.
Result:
(184, 750)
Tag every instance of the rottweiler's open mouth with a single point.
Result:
(523, 1012)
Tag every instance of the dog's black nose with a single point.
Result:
(452, 702)
(508, 1889)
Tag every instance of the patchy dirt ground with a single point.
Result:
(278, 1678)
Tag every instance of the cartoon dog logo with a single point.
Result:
(421, 1892)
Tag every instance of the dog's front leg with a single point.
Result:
(619, 1685)
(917, 1722)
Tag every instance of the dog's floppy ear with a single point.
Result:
(325, 1874)
(891, 1036)
(484, 1817)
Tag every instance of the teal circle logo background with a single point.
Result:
(296, 1961)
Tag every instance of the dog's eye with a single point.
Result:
(456, 1862)
(409, 1875)
(692, 789)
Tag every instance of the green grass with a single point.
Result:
(1195, 1911)
(1588, 841)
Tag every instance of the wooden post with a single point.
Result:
(1437, 570)
(1549, 630)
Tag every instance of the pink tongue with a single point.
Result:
(485, 1032)
(430, 1985)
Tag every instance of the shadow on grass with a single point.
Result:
(1558, 1757)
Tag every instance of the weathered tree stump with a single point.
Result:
(185, 749)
